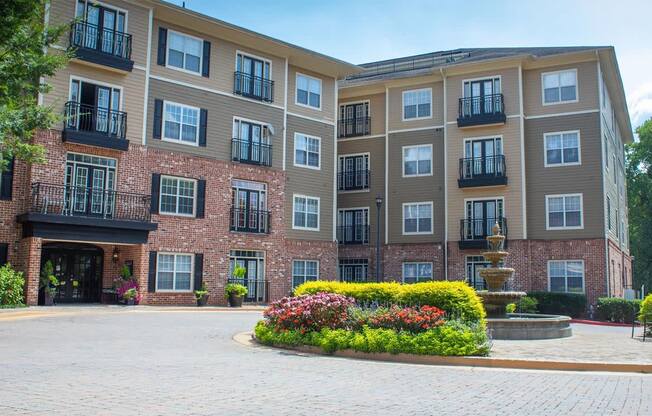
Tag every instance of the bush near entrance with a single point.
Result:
(11, 287)
(617, 309)
(554, 303)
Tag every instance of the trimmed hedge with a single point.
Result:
(617, 309)
(555, 303)
(458, 299)
(11, 287)
(646, 308)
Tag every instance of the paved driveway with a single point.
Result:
(136, 362)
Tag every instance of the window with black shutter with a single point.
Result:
(201, 198)
(151, 277)
(158, 119)
(156, 185)
(162, 45)
(7, 181)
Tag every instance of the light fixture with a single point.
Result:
(115, 255)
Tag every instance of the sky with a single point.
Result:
(361, 31)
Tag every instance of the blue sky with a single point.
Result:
(363, 30)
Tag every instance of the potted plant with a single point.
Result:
(48, 282)
(235, 293)
(129, 296)
(201, 295)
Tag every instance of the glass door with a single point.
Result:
(89, 190)
(254, 265)
(481, 216)
(481, 94)
(481, 156)
(250, 206)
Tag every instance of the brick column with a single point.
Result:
(30, 259)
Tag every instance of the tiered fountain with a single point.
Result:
(502, 325)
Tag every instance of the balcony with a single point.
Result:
(254, 87)
(101, 46)
(474, 232)
(253, 153)
(482, 110)
(353, 180)
(353, 234)
(250, 220)
(482, 171)
(93, 126)
(353, 127)
(87, 214)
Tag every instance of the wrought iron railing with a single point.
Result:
(355, 126)
(82, 117)
(353, 234)
(480, 228)
(484, 105)
(482, 167)
(353, 180)
(257, 289)
(246, 151)
(111, 42)
(250, 220)
(254, 87)
(80, 201)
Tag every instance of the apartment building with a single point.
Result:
(189, 146)
(452, 142)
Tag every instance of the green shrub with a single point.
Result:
(555, 303)
(617, 309)
(236, 288)
(526, 304)
(11, 286)
(646, 308)
(458, 299)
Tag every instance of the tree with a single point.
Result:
(639, 194)
(24, 64)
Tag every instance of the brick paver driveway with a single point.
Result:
(126, 362)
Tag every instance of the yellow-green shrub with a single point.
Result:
(646, 308)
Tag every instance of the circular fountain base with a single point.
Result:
(527, 326)
(496, 302)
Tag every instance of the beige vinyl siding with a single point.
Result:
(395, 116)
(415, 189)
(219, 130)
(585, 178)
(222, 64)
(587, 85)
(376, 110)
(133, 91)
(311, 182)
(327, 111)
(352, 199)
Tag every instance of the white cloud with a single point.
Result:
(640, 104)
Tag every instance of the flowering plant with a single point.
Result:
(409, 319)
(309, 312)
(129, 290)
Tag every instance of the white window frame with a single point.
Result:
(305, 261)
(251, 55)
(565, 227)
(167, 53)
(403, 104)
(403, 150)
(179, 141)
(296, 91)
(174, 273)
(566, 274)
(417, 263)
(432, 220)
(493, 78)
(562, 163)
(306, 166)
(194, 197)
(307, 197)
(543, 89)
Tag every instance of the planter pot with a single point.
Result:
(202, 301)
(235, 301)
(130, 302)
(48, 300)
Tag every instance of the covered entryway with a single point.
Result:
(79, 269)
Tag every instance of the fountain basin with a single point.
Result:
(528, 326)
(496, 302)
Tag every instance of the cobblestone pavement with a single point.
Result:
(136, 362)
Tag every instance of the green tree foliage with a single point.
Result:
(24, 64)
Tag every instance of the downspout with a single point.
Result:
(441, 71)
(602, 173)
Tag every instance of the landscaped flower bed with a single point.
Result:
(334, 322)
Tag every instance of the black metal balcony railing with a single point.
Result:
(246, 151)
(106, 41)
(352, 127)
(257, 289)
(478, 229)
(353, 180)
(353, 234)
(254, 87)
(484, 109)
(80, 201)
(102, 121)
(482, 171)
(250, 220)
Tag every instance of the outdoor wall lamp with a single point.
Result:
(115, 255)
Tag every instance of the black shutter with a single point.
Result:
(201, 198)
(158, 118)
(151, 277)
(162, 45)
(199, 270)
(156, 186)
(203, 120)
(206, 59)
(4, 253)
(7, 181)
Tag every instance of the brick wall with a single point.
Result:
(620, 270)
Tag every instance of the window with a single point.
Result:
(417, 104)
(308, 91)
(564, 211)
(562, 148)
(417, 272)
(566, 276)
(609, 213)
(181, 123)
(559, 87)
(307, 151)
(618, 224)
(305, 214)
(417, 160)
(184, 52)
(354, 270)
(304, 271)
(417, 218)
(177, 196)
(174, 272)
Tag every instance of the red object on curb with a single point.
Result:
(588, 322)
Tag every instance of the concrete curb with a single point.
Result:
(247, 339)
